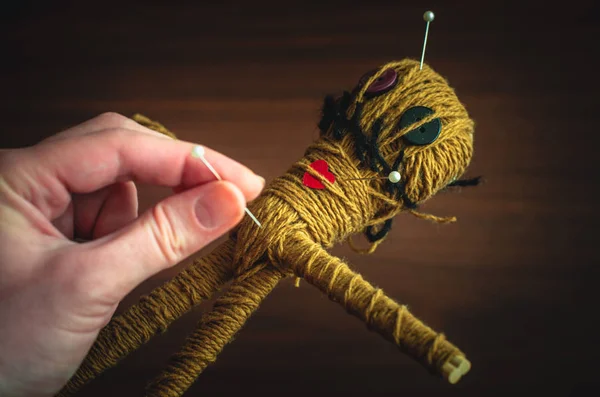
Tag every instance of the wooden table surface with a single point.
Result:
(512, 283)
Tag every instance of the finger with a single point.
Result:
(104, 211)
(46, 174)
(86, 210)
(64, 223)
(120, 208)
(161, 237)
(105, 121)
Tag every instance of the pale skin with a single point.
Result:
(55, 293)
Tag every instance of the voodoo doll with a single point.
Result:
(389, 144)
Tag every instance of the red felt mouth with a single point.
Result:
(322, 168)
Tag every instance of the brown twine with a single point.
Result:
(379, 312)
(153, 314)
(298, 223)
(214, 331)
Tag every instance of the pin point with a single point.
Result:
(428, 17)
(198, 152)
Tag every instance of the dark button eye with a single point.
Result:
(385, 82)
(366, 77)
(426, 133)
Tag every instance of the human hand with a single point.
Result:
(56, 294)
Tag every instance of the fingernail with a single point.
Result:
(209, 213)
(262, 180)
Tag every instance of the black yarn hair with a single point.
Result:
(466, 182)
(367, 150)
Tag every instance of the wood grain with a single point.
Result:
(512, 283)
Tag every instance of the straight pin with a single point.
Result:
(428, 17)
(198, 152)
(393, 177)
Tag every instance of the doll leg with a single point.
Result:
(153, 314)
(381, 314)
(215, 329)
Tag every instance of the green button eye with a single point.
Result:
(425, 134)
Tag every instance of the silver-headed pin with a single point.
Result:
(198, 152)
(428, 17)
(393, 177)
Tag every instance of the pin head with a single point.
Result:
(428, 16)
(198, 151)
(394, 177)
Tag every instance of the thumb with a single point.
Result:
(161, 237)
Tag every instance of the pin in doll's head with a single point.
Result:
(403, 118)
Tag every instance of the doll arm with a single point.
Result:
(215, 329)
(153, 314)
(381, 314)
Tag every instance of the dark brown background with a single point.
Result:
(511, 283)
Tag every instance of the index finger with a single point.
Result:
(87, 163)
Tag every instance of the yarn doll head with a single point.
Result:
(404, 119)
